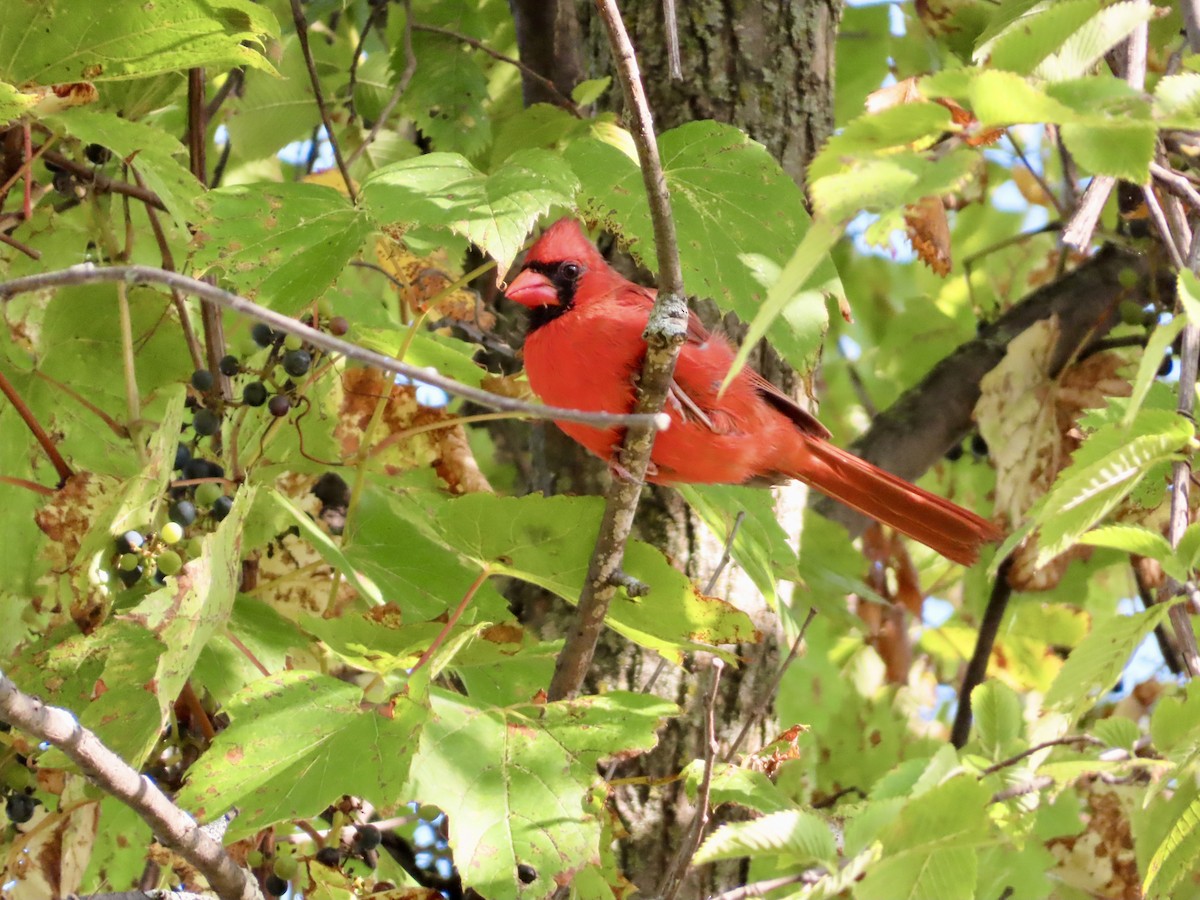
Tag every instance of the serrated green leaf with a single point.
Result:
(1102, 473)
(446, 96)
(738, 217)
(272, 109)
(1006, 17)
(1097, 36)
(13, 103)
(1177, 101)
(1122, 149)
(997, 712)
(591, 90)
(734, 784)
(150, 151)
(797, 837)
(1095, 665)
(279, 244)
(1175, 722)
(870, 134)
(516, 783)
(890, 182)
(998, 98)
(493, 211)
(285, 753)
(1137, 540)
(52, 43)
(1176, 856)
(1117, 731)
(1040, 33)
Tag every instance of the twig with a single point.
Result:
(89, 274)
(453, 620)
(302, 34)
(760, 708)
(1176, 183)
(232, 83)
(28, 485)
(1038, 748)
(197, 133)
(402, 83)
(1166, 646)
(664, 336)
(17, 245)
(352, 81)
(1020, 790)
(168, 263)
(1037, 176)
(545, 82)
(673, 878)
(976, 672)
(39, 433)
(173, 827)
(102, 183)
(762, 888)
(1165, 231)
(671, 29)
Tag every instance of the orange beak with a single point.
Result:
(532, 289)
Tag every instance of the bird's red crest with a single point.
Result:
(562, 241)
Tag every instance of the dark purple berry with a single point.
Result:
(19, 808)
(275, 886)
(329, 856)
(132, 577)
(206, 422)
(262, 334)
(526, 873)
(196, 468)
(369, 837)
(955, 453)
(202, 380)
(130, 541)
(338, 326)
(182, 456)
(279, 405)
(183, 513)
(221, 508)
(297, 362)
(229, 365)
(97, 154)
(254, 394)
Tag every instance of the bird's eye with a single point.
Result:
(571, 270)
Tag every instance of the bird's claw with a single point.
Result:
(620, 472)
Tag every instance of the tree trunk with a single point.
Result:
(767, 67)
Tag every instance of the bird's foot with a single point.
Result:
(633, 587)
(619, 471)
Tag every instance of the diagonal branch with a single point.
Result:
(89, 274)
(172, 826)
(664, 335)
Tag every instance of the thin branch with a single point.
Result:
(28, 485)
(664, 336)
(1079, 230)
(671, 30)
(545, 82)
(306, 50)
(976, 672)
(453, 619)
(352, 82)
(17, 245)
(197, 133)
(1176, 183)
(1037, 176)
(673, 877)
(760, 708)
(1158, 217)
(762, 888)
(102, 184)
(231, 85)
(168, 263)
(1166, 646)
(406, 77)
(39, 433)
(90, 274)
(1020, 790)
(1038, 748)
(173, 827)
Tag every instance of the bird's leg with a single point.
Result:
(619, 471)
(633, 587)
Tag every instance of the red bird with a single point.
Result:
(584, 350)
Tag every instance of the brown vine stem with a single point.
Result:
(1038, 748)
(453, 620)
(406, 77)
(976, 671)
(306, 50)
(664, 335)
(28, 485)
(39, 433)
(90, 274)
(171, 825)
(673, 877)
(101, 183)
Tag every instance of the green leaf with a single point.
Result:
(738, 216)
(734, 784)
(279, 244)
(516, 784)
(1083, 49)
(998, 98)
(1118, 731)
(1095, 665)
(890, 182)
(493, 211)
(1039, 34)
(761, 546)
(874, 133)
(1177, 101)
(998, 719)
(446, 96)
(150, 151)
(1175, 722)
(13, 103)
(271, 110)
(1162, 338)
(1176, 856)
(51, 43)
(1103, 472)
(298, 741)
(1188, 286)
(591, 90)
(1137, 540)
(1122, 149)
(798, 837)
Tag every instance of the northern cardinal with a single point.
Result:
(584, 350)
